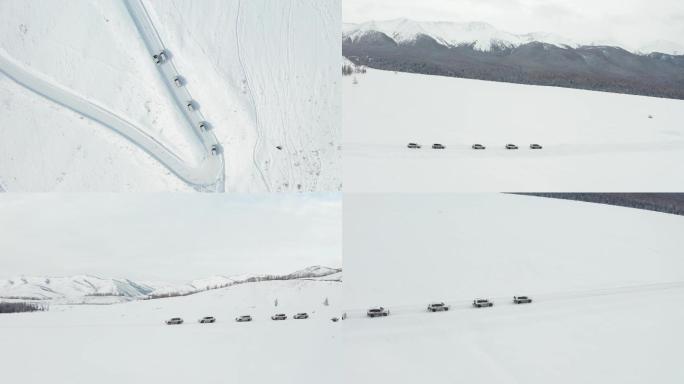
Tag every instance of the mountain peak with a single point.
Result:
(482, 36)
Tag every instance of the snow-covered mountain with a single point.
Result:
(93, 289)
(482, 36)
(483, 52)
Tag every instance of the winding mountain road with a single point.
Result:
(207, 175)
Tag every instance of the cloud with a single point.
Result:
(167, 236)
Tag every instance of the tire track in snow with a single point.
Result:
(200, 177)
(253, 100)
(180, 94)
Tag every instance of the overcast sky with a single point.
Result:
(167, 237)
(630, 22)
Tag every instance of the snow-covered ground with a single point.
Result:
(93, 50)
(593, 141)
(130, 343)
(607, 284)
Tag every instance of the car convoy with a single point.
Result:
(243, 318)
(442, 307)
(477, 147)
(162, 57)
(371, 312)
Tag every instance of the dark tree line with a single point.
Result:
(348, 70)
(672, 203)
(22, 307)
(608, 69)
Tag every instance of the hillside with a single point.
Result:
(97, 290)
(659, 202)
(601, 277)
(592, 141)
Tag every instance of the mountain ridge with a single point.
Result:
(491, 56)
(484, 36)
(91, 289)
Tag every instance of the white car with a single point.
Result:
(174, 321)
(178, 81)
(190, 105)
(302, 315)
(207, 320)
(437, 307)
(377, 312)
(160, 57)
(215, 150)
(482, 303)
(522, 299)
(279, 316)
(511, 146)
(243, 318)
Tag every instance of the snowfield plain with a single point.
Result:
(593, 141)
(129, 342)
(607, 284)
(94, 50)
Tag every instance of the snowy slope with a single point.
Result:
(607, 284)
(92, 289)
(593, 141)
(129, 342)
(73, 287)
(227, 74)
